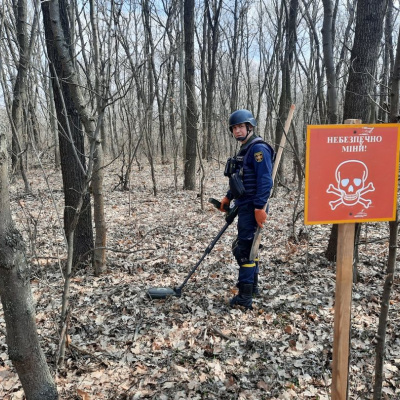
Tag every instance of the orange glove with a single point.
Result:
(224, 202)
(261, 217)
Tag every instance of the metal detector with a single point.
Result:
(163, 292)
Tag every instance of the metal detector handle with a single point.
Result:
(217, 204)
(231, 212)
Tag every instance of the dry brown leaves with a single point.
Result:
(122, 345)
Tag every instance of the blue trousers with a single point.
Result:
(241, 247)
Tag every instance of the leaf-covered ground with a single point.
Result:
(123, 345)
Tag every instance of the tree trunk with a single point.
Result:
(387, 65)
(285, 100)
(213, 21)
(53, 122)
(95, 134)
(234, 51)
(327, 37)
(99, 254)
(383, 316)
(182, 99)
(19, 91)
(71, 143)
(22, 339)
(191, 106)
(364, 56)
(393, 227)
(204, 45)
(155, 79)
(149, 96)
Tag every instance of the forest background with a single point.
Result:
(116, 113)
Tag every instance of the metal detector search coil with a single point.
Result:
(161, 292)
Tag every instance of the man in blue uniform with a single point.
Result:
(250, 183)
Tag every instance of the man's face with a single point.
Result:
(240, 131)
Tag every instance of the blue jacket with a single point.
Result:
(256, 171)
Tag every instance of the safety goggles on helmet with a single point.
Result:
(241, 117)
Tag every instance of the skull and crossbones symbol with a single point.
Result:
(351, 177)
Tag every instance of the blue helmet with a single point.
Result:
(241, 117)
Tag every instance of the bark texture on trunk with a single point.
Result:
(360, 86)
(191, 105)
(19, 312)
(364, 58)
(72, 150)
(327, 37)
(393, 243)
(285, 100)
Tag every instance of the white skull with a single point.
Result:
(351, 176)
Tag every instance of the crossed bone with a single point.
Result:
(338, 192)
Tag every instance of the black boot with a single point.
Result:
(256, 290)
(244, 298)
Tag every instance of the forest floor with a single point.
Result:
(123, 345)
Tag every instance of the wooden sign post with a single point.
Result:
(342, 318)
(341, 324)
(351, 176)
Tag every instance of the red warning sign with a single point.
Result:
(351, 173)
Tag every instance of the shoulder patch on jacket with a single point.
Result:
(258, 156)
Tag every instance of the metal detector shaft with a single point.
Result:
(229, 219)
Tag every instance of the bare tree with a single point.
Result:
(18, 305)
(387, 66)
(364, 58)
(191, 106)
(211, 32)
(19, 96)
(285, 100)
(234, 44)
(95, 130)
(328, 40)
(71, 142)
(155, 91)
(358, 102)
(393, 243)
(57, 40)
